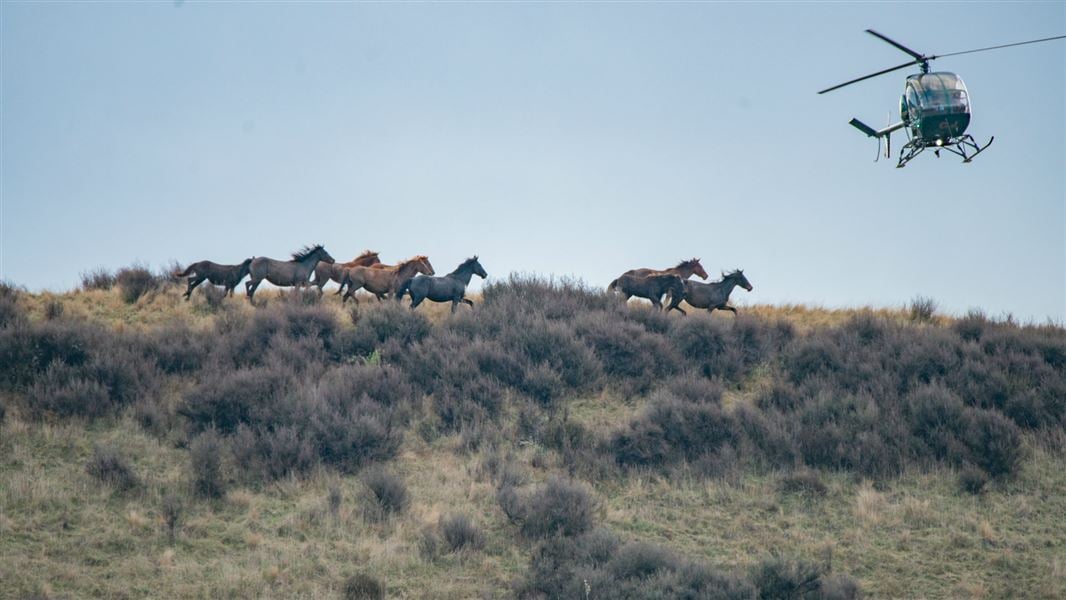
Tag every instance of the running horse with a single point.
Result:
(684, 270)
(450, 288)
(295, 272)
(325, 271)
(651, 287)
(228, 276)
(383, 279)
(711, 296)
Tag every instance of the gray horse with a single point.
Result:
(225, 275)
(450, 288)
(711, 295)
(651, 287)
(295, 272)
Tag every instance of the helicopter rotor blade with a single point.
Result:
(865, 77)
(917, 56)
(1057, 37)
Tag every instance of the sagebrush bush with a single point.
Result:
(134, 282)
(227, 399)
(558, 507)
(922, 309)
(205, 458)
(112, 468)
(363, 587)
(97, 279)
(386, 495)
(460, 534)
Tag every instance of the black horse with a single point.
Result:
(651, 287)
(711, 295)
(225, 275)
(450, 288)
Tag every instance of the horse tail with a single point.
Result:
(186, 272)
(612, 285)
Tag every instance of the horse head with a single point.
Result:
(738, 277)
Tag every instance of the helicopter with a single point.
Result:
(934, 108)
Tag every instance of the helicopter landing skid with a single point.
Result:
(964, 146)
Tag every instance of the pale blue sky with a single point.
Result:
(567, 139)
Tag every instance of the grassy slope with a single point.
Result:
(63, 534)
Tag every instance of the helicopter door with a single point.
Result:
(912, 102)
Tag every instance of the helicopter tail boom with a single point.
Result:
(877, 133)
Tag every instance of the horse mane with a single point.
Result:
(733, 273)
(366, 254)
(465, 263)
(413, 259)
(304, 252)
(692, 262)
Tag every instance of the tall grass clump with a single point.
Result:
(109, 466)
(97, 279)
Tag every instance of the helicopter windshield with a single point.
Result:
(941, 92)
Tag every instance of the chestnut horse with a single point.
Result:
(380, 280)
(335, 271)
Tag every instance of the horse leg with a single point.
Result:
(416, 300)
(467, 301)
(727, 307)
(250, 287)
(192, 286)
(454, 304)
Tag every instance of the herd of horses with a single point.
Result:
(415, 277)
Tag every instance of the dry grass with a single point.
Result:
(62, 534)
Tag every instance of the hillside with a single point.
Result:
(551, 442)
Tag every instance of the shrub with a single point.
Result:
(995, 444)
(171, 509)
(922, 309)
(640, 559)
(627, 350)
(388, 321)
(205, 455)
(386, 495)
(97, 279)
(110, 467)
(559, 507)
(813, 356)
(363, 587)
(671, 431)
(271, 454)
(972, 480)
(460, 534)
(135, 281)
(225, 400)
(214, 296)
(777, 578)
(53, 309)
(802, 481)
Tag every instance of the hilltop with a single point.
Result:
(551, 442)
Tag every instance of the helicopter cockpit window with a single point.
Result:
(942, 92)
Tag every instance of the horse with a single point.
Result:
(651, 287)
(325, 271)
(380, 280)
(711, 295)
(450, 288)
(293, 272)
(684, 270)
(224, 275)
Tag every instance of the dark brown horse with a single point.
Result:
(711, 295)
(225, 275)
(651, 287)
(295, 272)
(325, 271)
(381, 280)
